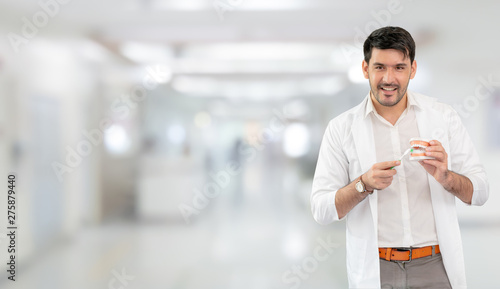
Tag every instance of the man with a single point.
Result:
(392, 206)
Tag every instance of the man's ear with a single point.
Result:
(413, 69)
(364, 66)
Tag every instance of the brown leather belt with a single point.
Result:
(395, 254)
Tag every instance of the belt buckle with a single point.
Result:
(409, 260)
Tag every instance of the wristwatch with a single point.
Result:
(360, 187)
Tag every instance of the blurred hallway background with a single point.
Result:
(172, 144)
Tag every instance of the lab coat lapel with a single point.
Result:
(431, 126)
(362, 133)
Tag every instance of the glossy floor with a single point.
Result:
(234, 253)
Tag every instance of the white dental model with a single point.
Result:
(418, 146)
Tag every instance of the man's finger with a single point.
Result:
(435, 148)
(436, 155)
(386, 165)
(384, 173)
(434, 143)
(434, 163)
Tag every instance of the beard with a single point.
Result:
(392, 97)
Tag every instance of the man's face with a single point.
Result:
(389, 74)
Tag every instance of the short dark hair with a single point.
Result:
(390, 37)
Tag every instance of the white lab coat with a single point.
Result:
(347, 151)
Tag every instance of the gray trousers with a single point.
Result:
(426, 272)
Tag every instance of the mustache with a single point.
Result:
(391, 85)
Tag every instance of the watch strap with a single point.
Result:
(364, 185)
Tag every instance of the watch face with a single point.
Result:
(359, 187)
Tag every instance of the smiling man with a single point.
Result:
(402, 226)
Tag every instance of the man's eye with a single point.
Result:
(400, 68)
(378, 67)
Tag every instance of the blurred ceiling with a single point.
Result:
(205, 20)
(235, 41)
(180, 22)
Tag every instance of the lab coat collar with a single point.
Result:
(362, 133)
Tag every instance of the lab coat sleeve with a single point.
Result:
(331, 174)
(465, 160)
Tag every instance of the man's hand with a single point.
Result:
(438, 168)
(459, 185)
(380, 175)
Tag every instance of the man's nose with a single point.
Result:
(389, 76)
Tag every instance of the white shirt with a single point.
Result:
(405, 215)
